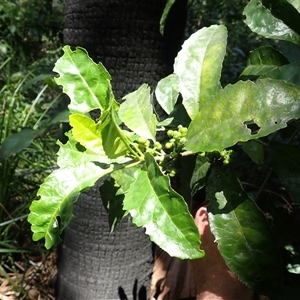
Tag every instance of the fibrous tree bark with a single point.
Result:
(124, 36)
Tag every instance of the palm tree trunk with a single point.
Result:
(124, 36)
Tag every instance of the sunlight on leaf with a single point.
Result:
(167, 92)
(154, 205)
(261, 21)
(53, 212)
(85, 132)
(86, 83)
(198, 66)
(137, 112)
(243, 111)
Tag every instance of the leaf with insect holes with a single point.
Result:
(243, 111)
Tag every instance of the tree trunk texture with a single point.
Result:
(124, 36)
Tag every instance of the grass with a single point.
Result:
(30, 43)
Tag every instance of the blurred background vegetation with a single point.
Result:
(30, 43)
(30, 106)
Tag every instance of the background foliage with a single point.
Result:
(30, 42)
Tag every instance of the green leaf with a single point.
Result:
(295, 3)
(289, 73)
(16, 142)
(242, 112)
(72, 153)
(87, 84)
(286, 161)
(263, 60)
(115, 142)
(255, 151)
(61, 117)
(165, 14)
(198, 66)
(53, 212)
(86, 132)
(167, 92)
(177, 117)
(268, 62)
(154, 205)
(243, 234)
(260, 20)
(137, 113)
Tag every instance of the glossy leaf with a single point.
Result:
(198, 66)
(86, 132)
(284, 11)
(16, 142)
(243, 111)
(243, 234)
(154, 205)
(137, 113)
(86, 83)
(260, 20)
(286, 161)
(53, 212)
(263, 60)
(167, 92)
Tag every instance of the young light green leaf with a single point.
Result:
(154, 205)
(137, 113)
(86, 132)
(198, 66)
(72, 153)
(167, 93)
(86, 83)
(16, 142)
(263, 60)
(244, 237)
(53, 212)
(243, 111)
(115, 142)
(260, 20)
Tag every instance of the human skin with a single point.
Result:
(207, 278)
(214, 280)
